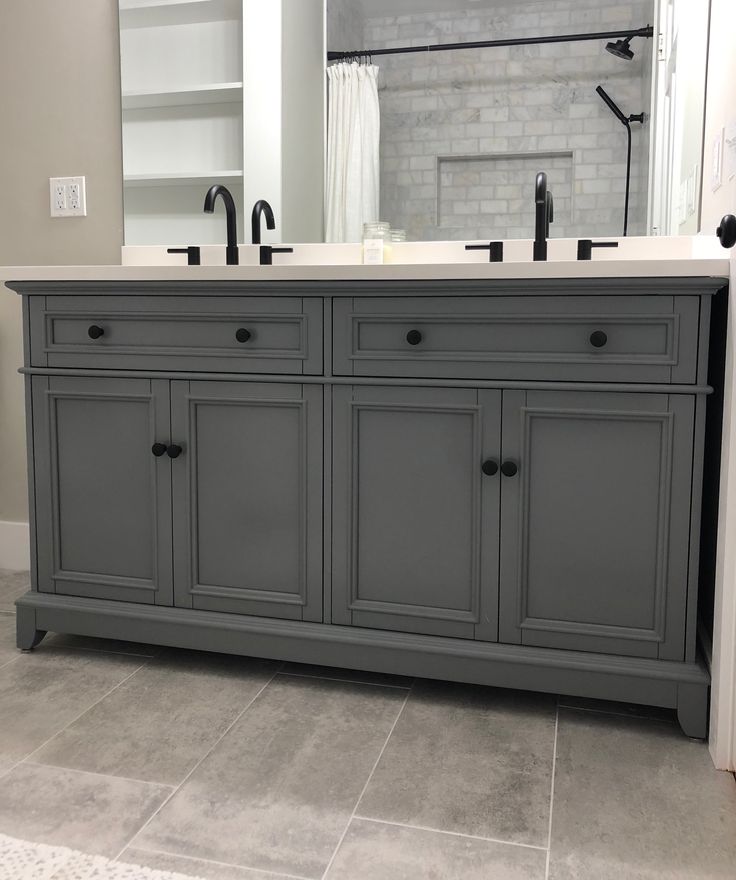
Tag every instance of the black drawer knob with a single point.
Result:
(242, 335)
(413, 337)
(509, 469)
(174, 451)
(158, 449)
(598, 339)
(95, 332)
(489, 468)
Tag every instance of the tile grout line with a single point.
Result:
(367, 782)
(452, 833)
(200, 762)
(397, 687)
(613, 714)
(81, 714)
(552, 792)
(94, 773)
(163, 852)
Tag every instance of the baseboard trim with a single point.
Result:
(15, 546)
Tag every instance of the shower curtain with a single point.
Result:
(353, 134)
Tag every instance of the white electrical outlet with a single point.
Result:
(68, 197)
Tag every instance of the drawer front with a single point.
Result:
(227, 334)
(556, 338)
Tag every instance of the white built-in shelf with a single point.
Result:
(182, 178)
(215, 93)
(151, 13)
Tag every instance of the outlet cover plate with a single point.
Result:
(68, 196)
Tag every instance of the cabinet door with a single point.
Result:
(103, 500)
(595, 525)
(415, 520)
(248, 498)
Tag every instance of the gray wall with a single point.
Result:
(60, 116)
(508, 112)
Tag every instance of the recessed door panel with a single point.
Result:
(415, 519)
(248, 505)
(595, 525)
(106, 531)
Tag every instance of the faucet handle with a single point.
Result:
(494, 248)
(267, 252)
(586, 245)
(192, 252)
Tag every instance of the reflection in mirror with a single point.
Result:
(444, 143)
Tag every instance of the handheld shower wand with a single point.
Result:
(625, 121)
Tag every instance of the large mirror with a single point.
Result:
(346, 111)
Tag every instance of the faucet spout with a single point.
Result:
(260, 207)
(232, 218)
(544, 215)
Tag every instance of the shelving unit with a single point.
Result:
(182, 103)
(222, 91)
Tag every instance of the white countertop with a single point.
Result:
(688, 268)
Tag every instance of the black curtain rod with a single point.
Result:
(647, 32)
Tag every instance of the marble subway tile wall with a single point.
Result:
(463, 133)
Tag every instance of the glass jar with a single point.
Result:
(375, 236)
(398, 235)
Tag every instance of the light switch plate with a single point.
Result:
(68, 196)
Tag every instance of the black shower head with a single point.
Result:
(621, 49)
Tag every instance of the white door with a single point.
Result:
(723, 695)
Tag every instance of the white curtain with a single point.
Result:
(353, 136)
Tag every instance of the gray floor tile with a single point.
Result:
(278, 791)
(12, 586)
(198, 868)
(42, 692)
(636, 799)
(94, 814)
(8, 651)
(88, 643)
(163, 720)
(612, 707)
(340, 674)
(471, 760)
(375, 851)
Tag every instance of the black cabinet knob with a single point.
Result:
(598, 339)
(95, 332)
(413, 337)
(509, 469)
(489, 468)
(242, 335)
(174, 451)
(158, 449)
(726, 232)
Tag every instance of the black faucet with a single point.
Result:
(260, 207)
(232, 218)
(545, 214)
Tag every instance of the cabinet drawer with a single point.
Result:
(556, 338)
(195, 333)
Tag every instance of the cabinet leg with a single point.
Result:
(692, 709)
(26, 634)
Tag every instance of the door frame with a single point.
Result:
(723, 668)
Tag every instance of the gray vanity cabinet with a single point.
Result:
(491, 481)
(595, 526)
(248, 498)
(103, 514)
(415, 519)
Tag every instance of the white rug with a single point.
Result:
(22, 860)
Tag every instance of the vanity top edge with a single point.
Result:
(625, 270)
